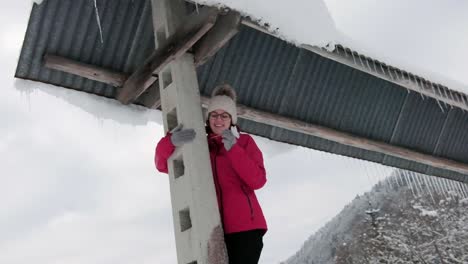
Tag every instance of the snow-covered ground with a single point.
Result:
(78, 181)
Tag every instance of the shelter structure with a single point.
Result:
(169, 55)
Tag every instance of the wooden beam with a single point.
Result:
(346, 138)
(196, 25)
(152, 100)
(84, 70)
(225, 28)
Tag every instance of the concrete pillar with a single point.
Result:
(197, 225)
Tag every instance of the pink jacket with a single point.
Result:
(237, 173)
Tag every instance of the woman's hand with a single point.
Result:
(228, 139)
(181, 136)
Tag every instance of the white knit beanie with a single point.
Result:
(223, 97)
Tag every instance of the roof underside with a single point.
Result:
(267, 73)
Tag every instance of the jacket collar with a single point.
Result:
(215, 142)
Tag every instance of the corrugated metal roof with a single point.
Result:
(267, 73)
(70, 29)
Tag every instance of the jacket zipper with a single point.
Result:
(250, 203)
(218, 186)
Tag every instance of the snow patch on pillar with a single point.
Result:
(217, 252)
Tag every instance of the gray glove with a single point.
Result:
(181, 136)
(228, 139)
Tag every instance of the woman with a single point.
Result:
(238, 170)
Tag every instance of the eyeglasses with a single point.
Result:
(224, 116)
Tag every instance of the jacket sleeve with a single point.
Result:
(248, 163)
(164, 150)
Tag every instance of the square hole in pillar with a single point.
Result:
(166, 76)
(193, 262)
(172, 121)
(185, 221)
(179, 167)
(161, 35)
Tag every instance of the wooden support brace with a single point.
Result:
(92, 72)
(225, 28)
(196, 25)
(153, 97)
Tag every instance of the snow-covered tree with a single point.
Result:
(404, 219)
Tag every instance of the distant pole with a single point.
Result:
(197, 226)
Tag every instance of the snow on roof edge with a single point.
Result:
(338, 38)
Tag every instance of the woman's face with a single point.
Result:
(219, 120)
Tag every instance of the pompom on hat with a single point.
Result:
(224, 97)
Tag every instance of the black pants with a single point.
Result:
(244, 247)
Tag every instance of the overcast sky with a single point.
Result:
(427, 37)
(78, 180)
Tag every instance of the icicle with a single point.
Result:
(447, 94)
(98, 20)
(368, 65)
(360, 60)
(428, 186)
(460, 186)
(447, 185)
(434, 185)
(346, 51)
(400, 172)
(417, 187)
(447, 188)
(440, 106)
(440, 186)
(375, 66)
(423, 87)
(464, 188)
(398, 186)
(455, 97)
(419, 183)
(387, 173)
(390, 73)
(411, 181)
(379, 175)
(354, 58)
(337, 50)
(408, 182)
(430, 182)
(436, 98)
(397, 74)
(465, 101)
(196, 8)
(418, 86)
(383, 175)
(462, 101)
(414, 183)
(441, 96)
(454, 188)
(382, 68)
(444, 187)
